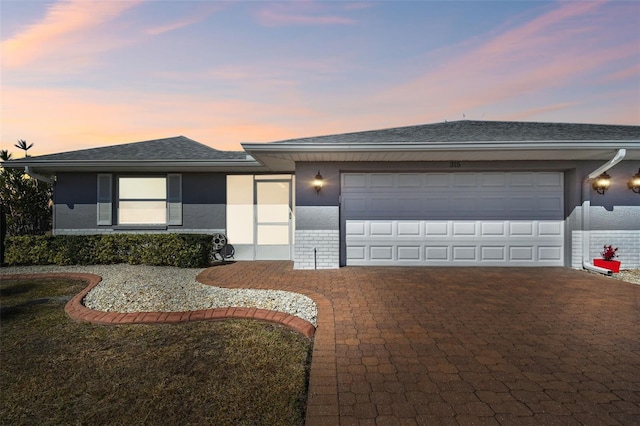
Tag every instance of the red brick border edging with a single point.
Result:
(77, 311)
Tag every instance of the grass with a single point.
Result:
(57, 371)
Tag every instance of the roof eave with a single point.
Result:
(137, 165)
(270, 154)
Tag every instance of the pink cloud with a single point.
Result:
(64, 23)
(173, 26)
(531, 114)
(299, 13)
(199, 15)
(559, 48)
(623, 74)
(538, 33)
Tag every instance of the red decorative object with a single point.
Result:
(612, 265)
(609, 252)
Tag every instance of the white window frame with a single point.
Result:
(160, 202)
(108, 196)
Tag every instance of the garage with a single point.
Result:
(444, 219)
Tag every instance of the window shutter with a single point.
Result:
(104, 199)
(174, 199)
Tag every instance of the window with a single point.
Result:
(141, 200)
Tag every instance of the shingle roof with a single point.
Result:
(479, 131)
(174, 148)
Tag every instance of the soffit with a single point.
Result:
(280, 158)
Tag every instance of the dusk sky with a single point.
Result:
(81, 74)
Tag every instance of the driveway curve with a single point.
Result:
(501, 346)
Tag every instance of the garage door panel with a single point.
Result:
(454, 218)
(434, 229)
(382, 205)
(521, 253)
(381, 180)
(493, 180)
(550, 180)
(409, 229)
(493, 205)
(521, 228)
(549, 204)
(437, 253)
(552, 229)
(522, 204)
(550, 253)
(493, 253)
(381, 228)
(354, 181)
(354, 205)
(409, 253)
(437, 180)
(410, 204)
(493, 229)
(381, 253)
(465, 180)
(356, 253)
(468, 204)
(355, 228)
(410, 180)
(464, 253)
(464, 229)
(522, 179)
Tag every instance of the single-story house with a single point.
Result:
(462, 193)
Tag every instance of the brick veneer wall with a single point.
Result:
(317, 249)
(628, 243)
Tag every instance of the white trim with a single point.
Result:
(104, 199)
(586, 207)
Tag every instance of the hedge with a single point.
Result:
(182, 250)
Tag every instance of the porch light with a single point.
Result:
(602, 183)
(634, 183)
(318, 182)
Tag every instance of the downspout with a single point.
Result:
(586, 207)
(27, 170)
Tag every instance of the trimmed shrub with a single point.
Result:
(182, 250)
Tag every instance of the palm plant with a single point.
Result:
(22, 144)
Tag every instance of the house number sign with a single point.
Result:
(455, 164)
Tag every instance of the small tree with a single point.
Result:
(26, 200)
(22, 144)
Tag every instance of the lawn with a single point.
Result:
(57, 371)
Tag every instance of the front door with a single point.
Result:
(273, 219)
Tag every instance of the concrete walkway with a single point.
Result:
(460, 346)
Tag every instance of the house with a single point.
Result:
(463, 193)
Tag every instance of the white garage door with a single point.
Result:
(466, 219)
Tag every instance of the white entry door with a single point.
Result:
(273, 218)
(467, 219)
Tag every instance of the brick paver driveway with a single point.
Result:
(464, 345)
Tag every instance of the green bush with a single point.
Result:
(182, 250)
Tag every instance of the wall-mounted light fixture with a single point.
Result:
(318, 181)
(634, 183)
(602, 183)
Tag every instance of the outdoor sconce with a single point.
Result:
(634, 183)
(602, 183)
(318, 182)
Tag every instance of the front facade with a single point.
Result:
(467, 193)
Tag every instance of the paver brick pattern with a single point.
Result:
(464, 345)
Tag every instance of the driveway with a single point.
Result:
(475, 346)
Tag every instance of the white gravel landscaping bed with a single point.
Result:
(141, 288)
(629, 275)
